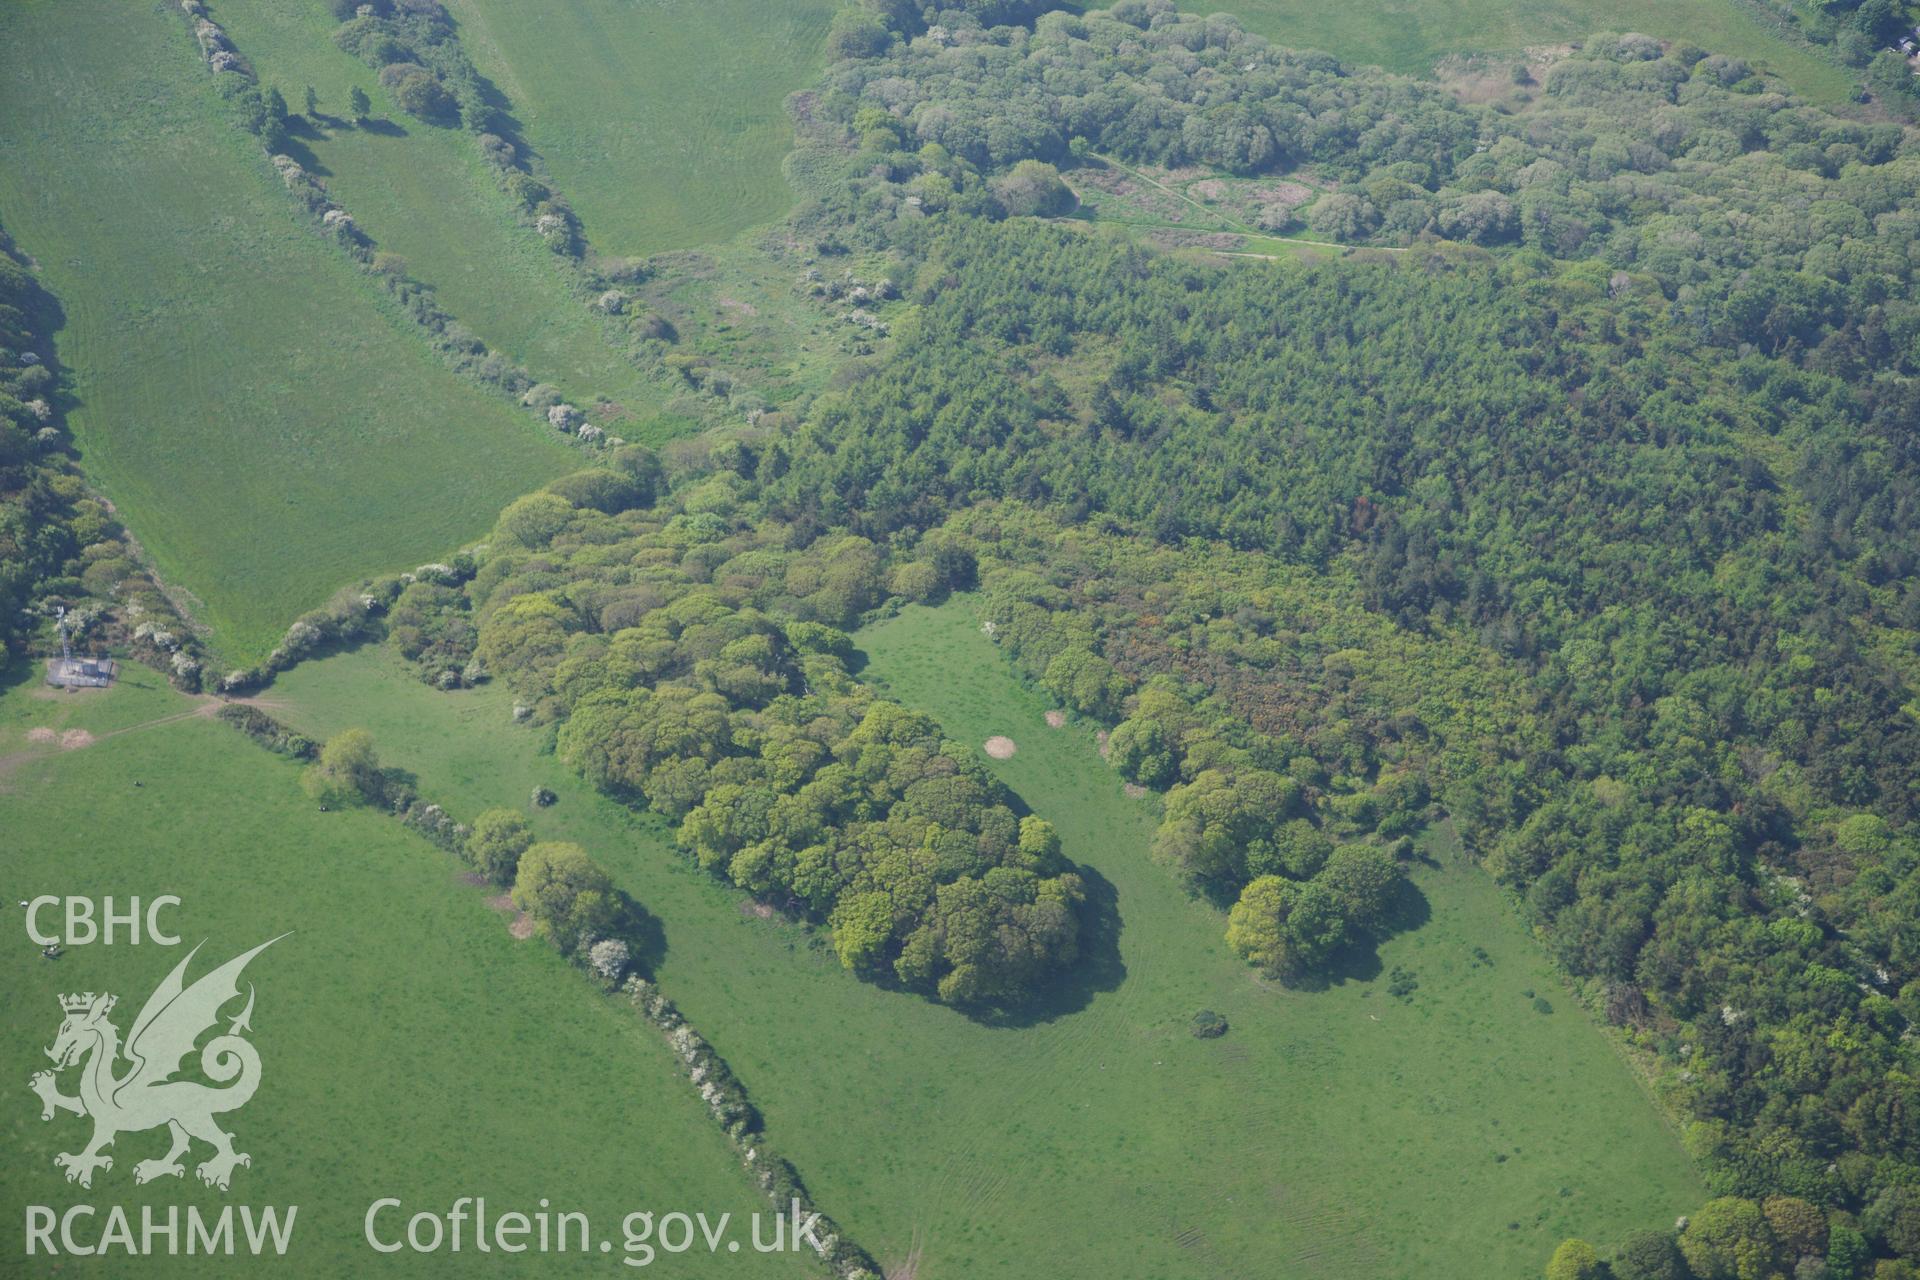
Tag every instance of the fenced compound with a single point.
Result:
(81, 673)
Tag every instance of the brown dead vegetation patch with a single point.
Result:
(1056, 719)
(1290, 194)
(1000, 747)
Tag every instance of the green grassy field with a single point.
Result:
(267, 425)
(1412, 35)
(1342, 1132)
(665, 123)
(409, 1046)
(423, 192)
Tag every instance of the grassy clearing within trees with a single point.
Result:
(409, 1046)
(265, 422)
(423, 192)
(1215, 212)
(665, 124)
(1412, 37)
(1455, 1133)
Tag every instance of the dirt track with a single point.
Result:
(77, 739)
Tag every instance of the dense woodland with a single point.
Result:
(696, 663)
(1596, 536)
(1584, 523)
(1653, 456)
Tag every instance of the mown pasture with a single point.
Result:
(267, 424)
(665, 123)
(1457, 1133)
(410, 1047)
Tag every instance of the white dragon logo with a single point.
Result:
(148, 1096)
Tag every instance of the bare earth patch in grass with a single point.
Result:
(42, 734)
(521, 924)
(1000, 747)
(1056, 719)
(74, 739)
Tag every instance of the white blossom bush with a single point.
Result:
(563, 417)
(301, 637)
(609, 958)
